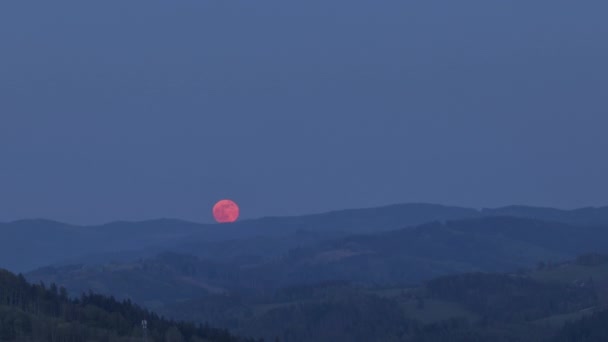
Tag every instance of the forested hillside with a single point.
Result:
(528, 306)
(589, 329)
(478, 279)
(37, 313)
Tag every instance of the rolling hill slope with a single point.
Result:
(410, 256)
(29, 244)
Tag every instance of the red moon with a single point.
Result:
(225, 211)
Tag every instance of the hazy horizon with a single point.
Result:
(211, 221)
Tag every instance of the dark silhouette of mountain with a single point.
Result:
(416, 254)
(29, 244)
(409, 255)
(36, 313)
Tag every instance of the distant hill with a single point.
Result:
(405, 256)
(419, 253)
(36, 313)
(29, 244)
(584, 216)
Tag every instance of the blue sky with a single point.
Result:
(143, 109)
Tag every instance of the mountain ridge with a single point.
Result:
(481, 210)
(57, 242)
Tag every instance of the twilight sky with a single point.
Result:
(143, 109)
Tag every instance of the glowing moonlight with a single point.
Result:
(225, 211)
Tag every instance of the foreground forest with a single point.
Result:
(33, 312)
